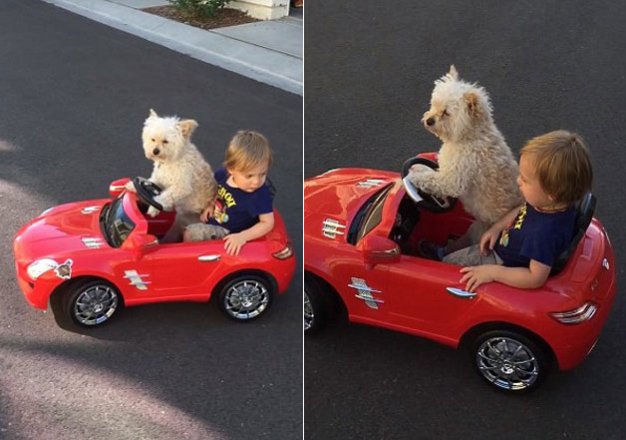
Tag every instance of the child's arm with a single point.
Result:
(207, 213)
(530, 277)
(234, 242)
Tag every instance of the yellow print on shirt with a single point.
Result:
(227, 197)
(519, 220)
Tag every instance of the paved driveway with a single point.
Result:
(73, 98)
(369, 72)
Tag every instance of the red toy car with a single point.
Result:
(361, 231)
(90, 258)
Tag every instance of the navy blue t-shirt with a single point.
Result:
(237, 210)
(536, 235)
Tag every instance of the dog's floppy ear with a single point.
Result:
(452, 73)
(473, 106)
(187, 127)
(153, 114)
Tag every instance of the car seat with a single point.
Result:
(586, 208)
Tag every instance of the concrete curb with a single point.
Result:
(271, 67)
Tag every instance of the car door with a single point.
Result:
(184, 269)
(425, 297)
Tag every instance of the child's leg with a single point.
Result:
(471, 256)
(202, 232)
(471, 237)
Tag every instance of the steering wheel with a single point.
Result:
(428, 201)
(147, 191)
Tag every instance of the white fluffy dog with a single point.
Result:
(475, 163)
(179, 169)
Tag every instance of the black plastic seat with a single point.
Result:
(586, 208)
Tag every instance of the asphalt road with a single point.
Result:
(73, 97)
(369, 72)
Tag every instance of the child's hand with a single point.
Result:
(475, 276)
(488, 240)
(207, 213)
(233, 243)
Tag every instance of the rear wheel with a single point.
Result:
(510, 361)
(246, 297)
(87, 303)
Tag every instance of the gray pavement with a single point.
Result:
(267, 51)
(74, 95)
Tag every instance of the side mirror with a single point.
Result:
(117, 187)
(377, 250)
(140, 242)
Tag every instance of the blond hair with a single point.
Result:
(562, 165)
(246, 150)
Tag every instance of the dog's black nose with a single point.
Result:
(430, 122)
(156, 151)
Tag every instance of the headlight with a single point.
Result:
(39, 267)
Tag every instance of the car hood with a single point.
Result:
(332, 199)
(61, 230)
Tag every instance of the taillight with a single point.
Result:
(284, 253)
(581, 314)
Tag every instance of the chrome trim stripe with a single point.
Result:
(330, 228)
(92, 242)
(369, 183)
(367, 298)
(136, 279)
(364, 287)
(89, 209)
(365, 292)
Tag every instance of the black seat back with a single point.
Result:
(586, 208)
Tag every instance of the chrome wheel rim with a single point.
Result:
(507, 363)
(95, 305)
(246, 299)
(309, 313)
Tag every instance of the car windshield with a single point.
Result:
(368, 216)
(115, 223)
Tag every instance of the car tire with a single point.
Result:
(315, 310)
(509, 360)
(87, 303)
(246, 297)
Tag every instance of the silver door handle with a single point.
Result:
(209, 258)
(460, 292)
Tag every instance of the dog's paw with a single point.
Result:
(152, 211)
(164, 202)
(420, 168)
(130, 186)
(417, 173)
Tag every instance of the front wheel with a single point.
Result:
(88, 303)
(246, 297)
(509, 360)
(315, 311)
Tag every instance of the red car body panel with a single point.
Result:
(143, 270)
(410, 294)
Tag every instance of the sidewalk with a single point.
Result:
(267, 51)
